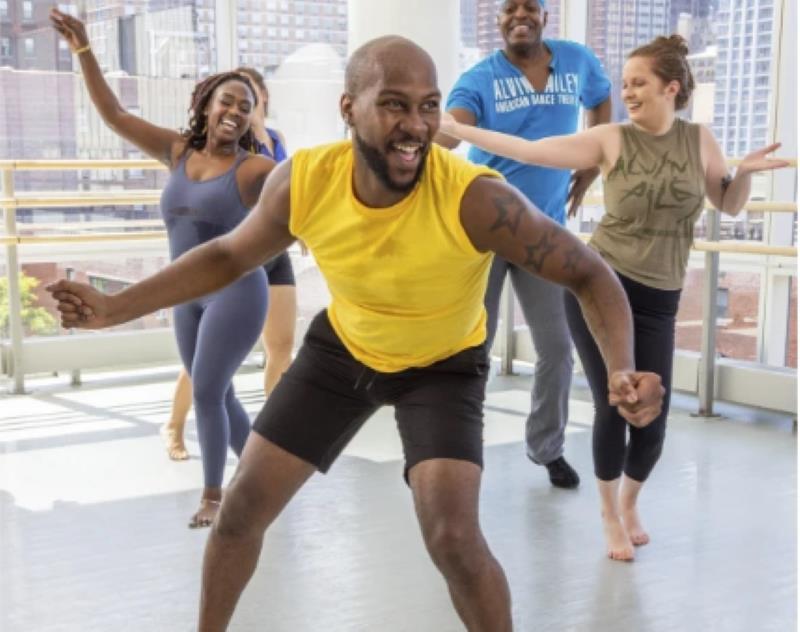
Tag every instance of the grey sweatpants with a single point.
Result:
(542, 304)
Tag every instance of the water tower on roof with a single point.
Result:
(304, 96)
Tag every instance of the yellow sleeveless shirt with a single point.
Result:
(407, 285)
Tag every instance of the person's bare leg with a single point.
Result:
(628, 496)
(278, 333)
(172, 431)
(446, 499)
(617, 540)
(265, 481)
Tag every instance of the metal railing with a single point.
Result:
(10, 201)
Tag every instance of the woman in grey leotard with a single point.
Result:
(215, 178)
(277, 335)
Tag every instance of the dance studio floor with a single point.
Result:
(93, 525)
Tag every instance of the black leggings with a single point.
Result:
(654, 313)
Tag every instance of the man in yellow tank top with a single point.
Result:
(403, 232)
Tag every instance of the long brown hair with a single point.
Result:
(668, 61)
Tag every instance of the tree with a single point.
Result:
(35, 320)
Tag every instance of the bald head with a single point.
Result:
(384, 56)
(392, 106)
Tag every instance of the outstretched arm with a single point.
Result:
(571, 151)
(730, 194)
(209, 267)
(155, 141)
(582, 179)
(459, 115)
(497, 217)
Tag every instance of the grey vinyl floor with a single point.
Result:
(93, 515)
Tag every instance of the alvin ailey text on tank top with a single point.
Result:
(514, 93)
(657, 190)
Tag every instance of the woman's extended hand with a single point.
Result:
(72, 29)
(758, 161)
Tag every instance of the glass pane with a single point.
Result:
(270, 32)
(152, 52)
(152, 55)
(300, 49)
(109, 267)
(689, 322)
(731, 61)
(737, 313)
(746, 226)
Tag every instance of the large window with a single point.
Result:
(294, 19)
(152, 54)
(731, 57)
(303, 66)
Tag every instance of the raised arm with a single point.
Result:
(730, 194)
(571, 151)
(497, 217)
(209, 267)
(157, 142)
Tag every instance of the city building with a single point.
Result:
(616, 27)
(743, 69)
(270, 30)
(469, 24)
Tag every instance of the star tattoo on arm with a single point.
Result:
(509, 213)
(571, 260)
(536, 254)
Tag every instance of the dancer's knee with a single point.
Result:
(458, 550)
(239, 516)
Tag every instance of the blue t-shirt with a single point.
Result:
(502, 99)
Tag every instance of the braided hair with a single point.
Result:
(196, 135)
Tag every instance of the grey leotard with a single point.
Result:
(216, 332)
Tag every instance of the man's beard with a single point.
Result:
(379, 165)
(523, 49)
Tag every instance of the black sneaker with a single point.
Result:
(562, 475)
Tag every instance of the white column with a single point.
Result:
(776, 297)
(433, 24)
(225, 34)
(574, 20)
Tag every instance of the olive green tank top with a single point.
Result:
(653, 196)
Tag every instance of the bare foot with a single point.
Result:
(205, 514)
(619, 544)
(173, 439)
(638, 536)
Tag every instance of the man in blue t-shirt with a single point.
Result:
(535, 88)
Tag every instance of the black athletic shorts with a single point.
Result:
(326, 395)
(279, 270)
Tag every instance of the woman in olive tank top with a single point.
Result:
(657, 172)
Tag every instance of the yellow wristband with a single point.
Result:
(83, 49)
